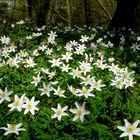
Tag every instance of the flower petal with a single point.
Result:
(130, 137)
(135, 124)
(124, 134)
(122, 128)
(126, 123)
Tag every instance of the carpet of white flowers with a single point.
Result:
(72, 89)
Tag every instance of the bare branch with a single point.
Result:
(104, 9)
(59, 15)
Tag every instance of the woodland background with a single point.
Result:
(112, 13)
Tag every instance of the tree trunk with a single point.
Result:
(137, 18)
(77, 12)
(30, 8)
(87, 12)
(124, 14)
(41, 14)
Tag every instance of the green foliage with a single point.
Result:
(108, 108)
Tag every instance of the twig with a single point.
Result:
(104, 9)
(59, 15)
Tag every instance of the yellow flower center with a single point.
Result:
(78, 74)
(46, 89)
(84, 91)
(12, 127)
(125, 75)
(130, 129)
(96, 84)
(80, 112)
(17, 102)
(59, 112)
(59, 92)
(119, 82)
(3, 94)
(29, 106)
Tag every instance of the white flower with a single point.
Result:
(5, 54)
(111, 59)
(45, 70)
(30, 105)
(100, 54)
(59, 92)
(5, 49)
(29, 62)
(65, 68)
(135, 47)
(74, 43)
(129, 83)
(69, 47)
(125, 74)
(89, 58)
(35, 52)
(12, 48)
(80, 49)
(76, 73)
(85, 92)
(93, 46)
(23, 53)
(59, 112)
(5, 40)
(118, 82)
(55, 62)
(46, 89)
(67, 56)
(99, 40)
(13, 61)
(42, 47)
(54, 82)
(113, 68)
(48, 51)
(138, 38)
(51, 74)
(96, 84)
(85, 67)
(28, 37)
(79, 111)
(99, 63)
(18, 102)
(87, 80)
(130, 129)
(109, 44)
(36, 79)
(73, 90)
(12, 25)
(52, 36)
(4, 95)
(36, 34)
(20, 22)
(12, 128)
(84, 38)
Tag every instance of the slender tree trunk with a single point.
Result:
(124, 14)
(137, 18)
(78, 12)
(87, 12)
(41, 14)
(30, 2)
